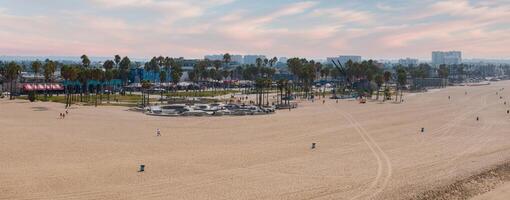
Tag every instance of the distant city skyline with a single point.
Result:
(317, 29)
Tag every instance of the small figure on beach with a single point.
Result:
(158, 132)
(323, 101)
(60, 117)
(449, 98)
(337, 101)
(313, 145)
(477, 118)
(422, 129)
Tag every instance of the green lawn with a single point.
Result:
(126, 100)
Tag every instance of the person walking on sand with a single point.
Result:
(158, 132)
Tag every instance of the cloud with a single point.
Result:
(192, 28)
(343, 16)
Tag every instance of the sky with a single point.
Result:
(383, 29)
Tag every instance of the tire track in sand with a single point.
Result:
(384, 166)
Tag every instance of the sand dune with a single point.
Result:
(364, 151)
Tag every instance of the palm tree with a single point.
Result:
(96, 74)
(146, 85)
(272, 61)
(259, 62)
(387, 78)
(401, 80)
(379, 80)
(36, 67)
(227, 58)
(117, 60)
(85, 61)
(167, 64)
(83, 77)
(162, 78)
(11, 73)
(65, 73)
(49, 69)
(443, 73)
(124, 70)
(108, 75)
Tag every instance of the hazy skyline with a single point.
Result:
(315, 29)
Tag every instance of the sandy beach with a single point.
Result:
(364, 151)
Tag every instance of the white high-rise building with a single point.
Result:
(446, 58)
(237, 59)
(408, 62)
(344, 59)
(252, 59)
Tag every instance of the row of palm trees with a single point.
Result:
(354, 76)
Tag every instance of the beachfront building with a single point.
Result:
(234, 59)
(252, 59)
(446, 58)
(408, 62)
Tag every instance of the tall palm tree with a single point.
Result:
(11, 73)
(85, 61)
(124, 70)
(108, 75)
(162, 79)
(36, 67)
(83, 77)
(259, 62)
(146, 85)
(379, 80)
(443, 73)
(401, 80)
(227, 58)
(272, 61)
(117, 60)
(49, 69)
(387, 78)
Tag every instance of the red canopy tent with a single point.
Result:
(42, 87)
(28, 87)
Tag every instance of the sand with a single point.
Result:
(364, 151)
(500, 193)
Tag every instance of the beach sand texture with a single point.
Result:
(363, 151)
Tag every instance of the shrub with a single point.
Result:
(31, 96)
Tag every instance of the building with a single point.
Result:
(252, 59)
(343, 59)
(214, 57)
(446, 58)
(408, 62)
(236, 59)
